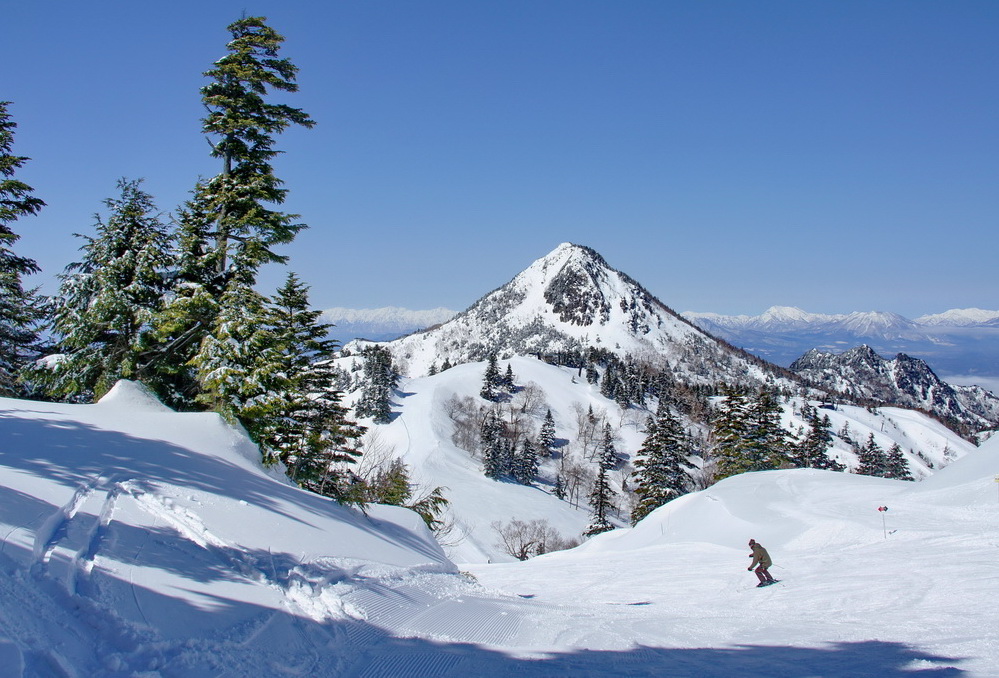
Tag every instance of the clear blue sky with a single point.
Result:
(835, 156)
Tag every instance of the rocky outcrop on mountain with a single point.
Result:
(571, 301)
(902, 381)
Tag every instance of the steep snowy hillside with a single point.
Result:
(905, 381)
(423, 434)
(568, 302)
(135, 538)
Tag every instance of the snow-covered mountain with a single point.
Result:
(568, 302)
(136, 541)
(957, 342)
(903, 380)
(381, 324)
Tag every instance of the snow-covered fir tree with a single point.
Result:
(102, 313)
(495, 447)
(661, 466)
(546, 436)
(492, 380)
(872, 458)
(812, 450)
(379, 381)
(525, 463)
(601, 503)
(231, 226)
(299, 418)
(20, 309)
(896, 465)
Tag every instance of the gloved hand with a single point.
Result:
(749, 569)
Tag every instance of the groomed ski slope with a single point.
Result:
(138, 541)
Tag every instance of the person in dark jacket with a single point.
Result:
(761, 561)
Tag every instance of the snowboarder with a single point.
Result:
(762, 558)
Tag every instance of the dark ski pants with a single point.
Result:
(763, 574)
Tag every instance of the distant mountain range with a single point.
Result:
(382, 324)
(956, 342)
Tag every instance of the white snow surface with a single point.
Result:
(143, 542)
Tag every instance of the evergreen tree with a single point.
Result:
(559, 489)
(299, 417)
(872, 458)
(525, 463)
(229, 227)
(730, 432)
(20, 309)
(812, 450)
(546, 437)
(102, 313)
(380, 379)
(768, 445)
(601, 503)
(492, 382)
(661, 467)
(494, 445)
(509, 381)
(608, 453)
(896, 465)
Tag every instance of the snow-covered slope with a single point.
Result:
(863, 592)
(568, 302)
(422, 434)
(141, 542)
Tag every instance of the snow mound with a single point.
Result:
(133, 396)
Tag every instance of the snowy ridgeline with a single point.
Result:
(138, 541)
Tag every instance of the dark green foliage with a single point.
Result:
(661, 466)
(601, 503)
(896, 465)
(102, 314)
(872, 458)
(812, 450)
(492, 381)
(525, 463)
(546, 437)
(379, 381)
(391, 485)
(20, 309)
(230, 226)
(495, 446)
(748, 435)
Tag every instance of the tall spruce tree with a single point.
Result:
(812, 450)
(380, 378)
(546, 436)
(20, 308)
(230, 226)
(661, 467)
(872, 458)
(601, 502)
(102, 313)
(896, 466)
(299, 418)
(730, 432)
(492, 381)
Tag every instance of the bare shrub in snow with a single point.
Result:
(524, 539)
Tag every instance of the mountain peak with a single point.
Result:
(564, 304)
